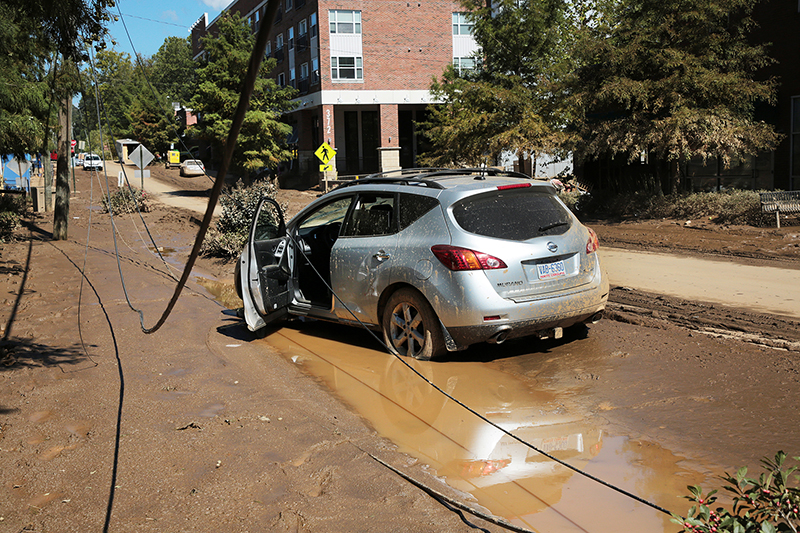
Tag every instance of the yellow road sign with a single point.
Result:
(325, 153)
(326, 168)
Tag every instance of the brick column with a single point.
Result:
(389, 151)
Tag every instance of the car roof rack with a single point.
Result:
(427, 177)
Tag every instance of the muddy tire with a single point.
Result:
(411, 327)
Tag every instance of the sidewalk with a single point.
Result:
(760, 288)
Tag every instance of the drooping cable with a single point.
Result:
(470, 409)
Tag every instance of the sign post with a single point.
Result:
(142, 157)
(325, 153)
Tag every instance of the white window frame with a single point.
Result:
(337, 69)
(462, 64)
(279, 41)
(302, 28)
(304, 71)
(281, 80)
(337, 25)
(288, 5)
(461, 26)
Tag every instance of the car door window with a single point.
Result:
(413, 206)
(373, 214)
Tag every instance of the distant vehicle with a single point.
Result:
(92, 162)
(173, 159)
(192, 167)
(436, 259)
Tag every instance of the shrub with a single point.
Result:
(727, 207)
(12, 206)
(239, 205)
(764, 505)
(127, 201)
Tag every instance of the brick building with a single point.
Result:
(363, 69)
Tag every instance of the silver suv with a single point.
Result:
(436, 260)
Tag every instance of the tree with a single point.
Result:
(507, 102)
(173, 70)
(672, 81)
(262, 139)
(24, 91)
(150, 123)
(63, 29)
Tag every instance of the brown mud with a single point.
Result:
(203, 427)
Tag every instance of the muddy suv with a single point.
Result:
(437, 260)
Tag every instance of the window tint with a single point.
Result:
(413, 206)
(373, 214)
(515, 214)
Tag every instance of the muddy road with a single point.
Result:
(204, 426)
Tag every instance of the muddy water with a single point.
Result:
(505, 476)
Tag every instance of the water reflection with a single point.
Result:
(503, 474)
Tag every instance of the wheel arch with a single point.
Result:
(450, 344)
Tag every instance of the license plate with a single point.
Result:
(551, 270)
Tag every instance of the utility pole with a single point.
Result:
(60, 226)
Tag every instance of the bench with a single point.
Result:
(780, 202)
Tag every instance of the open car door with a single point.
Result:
(266, 270)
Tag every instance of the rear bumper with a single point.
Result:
(498, 331)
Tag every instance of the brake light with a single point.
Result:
(458, 259)
(514, 186)
(594, 243)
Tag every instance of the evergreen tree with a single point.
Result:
(262, 139)
(672, 80)
(507, 102)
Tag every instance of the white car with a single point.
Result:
(192, 167)
(92, 162)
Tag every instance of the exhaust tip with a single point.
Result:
(499, 337)
(595, 318)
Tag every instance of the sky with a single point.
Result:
(149, 22)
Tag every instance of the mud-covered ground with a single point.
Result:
(196, 428)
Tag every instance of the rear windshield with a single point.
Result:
(514, 214)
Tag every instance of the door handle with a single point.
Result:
(381, 256)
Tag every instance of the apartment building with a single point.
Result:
(363, 69)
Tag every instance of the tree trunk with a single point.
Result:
(60, 226)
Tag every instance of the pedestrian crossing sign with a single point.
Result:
(325, 153)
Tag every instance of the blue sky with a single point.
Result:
(149, 22)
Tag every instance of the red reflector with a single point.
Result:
(493, 317)
(515, 186)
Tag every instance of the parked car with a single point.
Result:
(437, 260)
(192, 167)
(92, 162)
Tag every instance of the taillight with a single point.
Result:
(459, 259)
(594, 243)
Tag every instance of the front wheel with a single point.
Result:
(411, 327)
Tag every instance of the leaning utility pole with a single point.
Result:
(60, 226)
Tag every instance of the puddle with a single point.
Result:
(505, 476)
(224, 293)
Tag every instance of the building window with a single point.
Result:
(461, 26)
(302, 27)
(347, 68)
(292, 78)
(288, 5)
(282, 79)
(304, 71)
(345, 21)
(463, 64)
(314, 71)
(268, 50)
(291, 38)
(279, 42)
(314, 24)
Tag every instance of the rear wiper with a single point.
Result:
(551, 226)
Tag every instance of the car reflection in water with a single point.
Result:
(505, 475)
